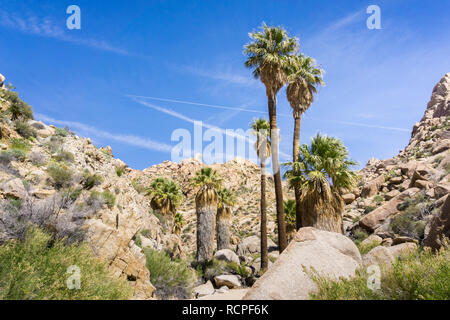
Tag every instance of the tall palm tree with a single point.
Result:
(226, 200)
(267, 54)
(166, 197)
(261, 128)
(208, 181)
(303, 79)
(322, 169)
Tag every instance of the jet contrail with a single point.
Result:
(357, 124)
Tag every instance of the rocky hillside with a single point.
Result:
(397, 198)
(49, 169)
(240, 176)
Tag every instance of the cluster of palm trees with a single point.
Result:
(317, 172)
(213, 205)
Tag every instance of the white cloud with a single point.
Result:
(87, 130)
(46, 28)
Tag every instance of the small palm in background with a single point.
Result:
(226, 200)
(208, 182)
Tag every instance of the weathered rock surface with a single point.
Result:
(228, 280)
(387, 255)
(374, 219)
(440, 228)
(203, 290)
(287, 279)
(227, 255)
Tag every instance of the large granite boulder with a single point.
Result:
(330, 254)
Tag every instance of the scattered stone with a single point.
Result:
(348, 198)
(391, 194)
(14, 189)
(372, 239)
(229, 280)
(371, 188)
(387, 255)
(403, 239)
(203, 290)
(227, 255)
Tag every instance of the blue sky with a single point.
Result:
(378, 82)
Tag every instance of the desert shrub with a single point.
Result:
(55, 144)
(378, 199)
(172, 278)
(20, 144)
(62, 132)
(359, 235)
(60, 175)
(64, 155)
(12, 155)
(37, 269)
(119, 171)
(410, 221)
(18, 108)
(137, 186)
(365, 248)
(17, 216)
(91, 180)
(146, 233)
(38, 158)
(102, 198)
(239, 269)
(417, 276)
(24, 129)
(369, 209)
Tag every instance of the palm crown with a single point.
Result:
(322, 166)
(207, 178)
(303, 77)
(261, 129)
(225, 197)
(165, 191)
(268, 55)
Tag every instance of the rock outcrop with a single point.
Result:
(310, 248)
(440, 228)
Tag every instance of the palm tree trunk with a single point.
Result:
(222, 229)
(282, 240)
(297, 191)
(206, 216)
(264, 252)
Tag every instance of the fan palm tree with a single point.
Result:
(261, 129)
(225, 201)
(322, 169)
(178, 224)
(267, 55)
(208, 182)
(303, 79)
(290, 214)
(166, 197)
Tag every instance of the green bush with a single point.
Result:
(20, 144)
(65, 156)
(25, 130)
(18, 108)
(119, 171)
(60, 175)
(105, 197)
(12, 155)
(37, 269)
(91, 180)
(418, 276)
(62, 132)
(172, 278)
